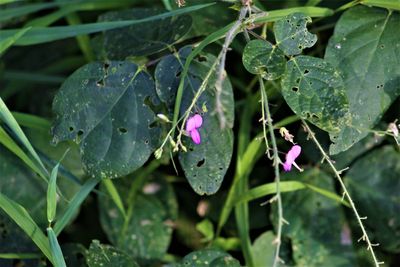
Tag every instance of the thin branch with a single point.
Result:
(345, 194)
(276, 162)
(219, 109)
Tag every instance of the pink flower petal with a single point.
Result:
(291, 156)
(190, 124)
(198, 120)
(195, 136)
(287, 166)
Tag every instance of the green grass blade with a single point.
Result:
(75, 203)
(20, 256)
(55, 249)
(275, 15)
(15, 12)
(113, 192)
(9, 143)
(22, 218)
(39, 35)
(8, 42)
(7, 117)
(328, 194)
(3, 2)
(32, 121)
(268, 189)
(389, 4)
(52, 195)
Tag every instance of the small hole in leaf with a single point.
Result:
(202, 59)
(146, 142)
(153, 124)
(100, 83)
(306, 71)
(382, 46)
(178, 74)
(201, 163)
(220, 168)
(292, 37)
(287, 21)
(295, 89)
(122, 130)
(71, 129)
(80, 133)
(298, 80)
(300, 47)
(191, 149)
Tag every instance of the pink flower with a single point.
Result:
(192, 124)
(293, 153)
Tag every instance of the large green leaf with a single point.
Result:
(365, 48)
(316, 224)
(146, 231)
(106, 255)
(107, 108)
(374, 184)
(204, 165)
(263, 249)
(314, 91)
(263, 58)
(144, 39)
(291, 34)
(208, 258)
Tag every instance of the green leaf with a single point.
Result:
(39, 35)
(143, 40)
(146, 231)
(21, 217)
(209, 258)
(55, 249)
(106, 255)
(204, 165)
(374, 184)
(263, 58)
(107, 109)
(316, 224)
(366, 50)
(52, 195)
(291, 34)
(263, 249)
(206, 228)
(314, 91)
(6, 43)
(389, 4)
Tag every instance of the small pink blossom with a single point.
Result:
(291, 156)
(192, 124)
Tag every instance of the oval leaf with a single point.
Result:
(314, 91)
(145, 39)
(291, 34)
(106, 255)
(374, 184)
(263, 58)
(106, 107)
(365, 48)
(209, 258)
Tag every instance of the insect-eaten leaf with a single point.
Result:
(204, 164)
(314, 91)
(263, 58)
(365, 48)
(143, 39)
(108, 109)
(106, 255)
(374, 184)
(291, 34)
(146, 231)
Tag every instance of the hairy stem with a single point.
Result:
(345, 194)
(219, 109)
(276, 162)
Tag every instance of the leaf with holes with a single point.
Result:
(208, 258)
(146, 232)
(205, 164)
(106, 255)
(374, 184)
(144, 39)
(318, 230)
(314, 91)
(365, 47)
(291, 34)
(263, 58)
(107, 108)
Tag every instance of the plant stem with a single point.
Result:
(345, 194)
(276, 162)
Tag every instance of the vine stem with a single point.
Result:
(325, 156)
(276, 162)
